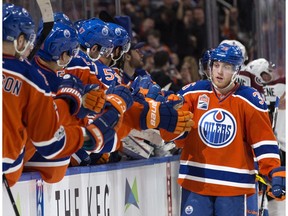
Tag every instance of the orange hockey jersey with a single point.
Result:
(217, 154)
(28, 116)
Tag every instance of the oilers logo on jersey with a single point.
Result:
(217, 128)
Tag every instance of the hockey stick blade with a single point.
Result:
(48, 22)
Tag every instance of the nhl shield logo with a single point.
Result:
(203, 102)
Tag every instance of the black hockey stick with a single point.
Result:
(10, 195)
(106, 17)
(48, 22)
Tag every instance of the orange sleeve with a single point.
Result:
(131, 120)
(49, 174)
(74, 134)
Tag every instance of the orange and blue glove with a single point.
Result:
(278, 183)
(119, 97)
(93, 100)
(71, 89)
(165, 115)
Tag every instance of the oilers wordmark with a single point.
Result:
(217, 128)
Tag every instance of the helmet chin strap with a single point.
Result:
(63, 65)
(115, 60)
(21, 53)
(93, 59)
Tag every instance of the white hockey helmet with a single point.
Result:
(240, 45)
(261, 67)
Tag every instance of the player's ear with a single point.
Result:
(94, 48)
(21, 42)
(127, 57)
(64, 58)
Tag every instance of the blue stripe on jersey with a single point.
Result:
(51, 77)
(39, 158)
(111, 145)
(51, 148)
(28, 73)
(268, 148)
(9, 165)
(197, 86)
(216, 174)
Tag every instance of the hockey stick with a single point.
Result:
(264, 187)
(10, 195)
(48, 22)
(106, 17)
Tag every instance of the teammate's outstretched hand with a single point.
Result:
(71, 89)
(166, 115)
(119, 97)
(93, 100)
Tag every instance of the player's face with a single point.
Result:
(222, 74)
(265, 76)
(136, 59)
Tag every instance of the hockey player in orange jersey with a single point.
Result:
(58, 49)
(89, 46)
(68, 138)
(216, 167)
(28, 108)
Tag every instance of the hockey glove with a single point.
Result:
(141, 85)
(146, 87)
(71, 89)
(93, 100)
(102, 131)
(278, 185)
(119, 97)
(143, 82)
(166, 115)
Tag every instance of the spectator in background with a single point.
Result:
(148, 62)
(189, 70)
(163, 72)
(199, 31)
(154, 43)
(174, 58)
(186, 41)
(147, 25)
(166, 22)
(230, 28)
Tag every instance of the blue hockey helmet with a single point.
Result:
(203, 63)
(95, 31)
(62, 38)
(58, 17)
(61, 17)
(77, 24)
(205, 57)
(17, 20)
(230, 54)
(121, 37)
